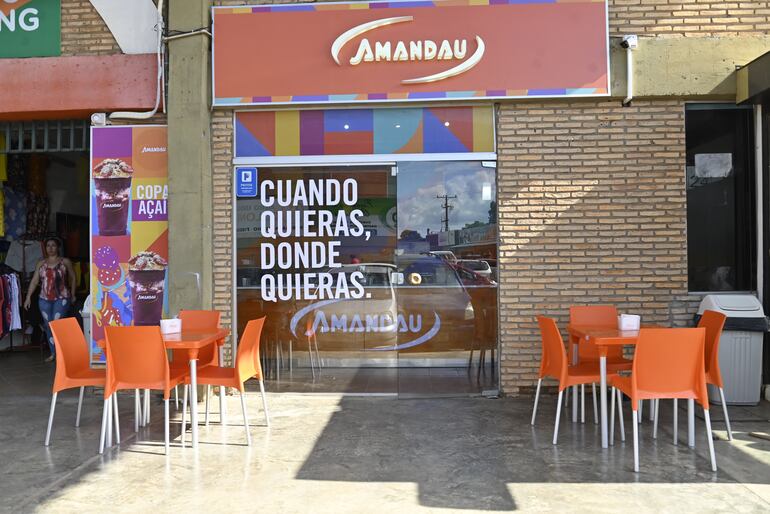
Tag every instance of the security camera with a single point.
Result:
(99, 119)
(630, 42)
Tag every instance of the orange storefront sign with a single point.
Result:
(414, 50)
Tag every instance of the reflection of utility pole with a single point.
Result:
(447, 208)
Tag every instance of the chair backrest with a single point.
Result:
(199, 320)
(71, 351)
(553, 362)
(247, 360)
(597, 316)
(136, 359)
(713, 322)
(669, 363)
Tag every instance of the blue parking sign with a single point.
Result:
(246, 182)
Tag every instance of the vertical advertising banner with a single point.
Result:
(129, 228)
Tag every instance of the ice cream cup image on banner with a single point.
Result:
(146, 277)
(112, 181)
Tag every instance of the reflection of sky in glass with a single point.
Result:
(420, 182)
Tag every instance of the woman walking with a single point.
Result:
(57, 291)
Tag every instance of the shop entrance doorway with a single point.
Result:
(45, 193)
(374, 278)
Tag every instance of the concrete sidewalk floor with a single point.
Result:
(353, 454)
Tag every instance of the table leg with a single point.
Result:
(603, 398)
(194, 401)
(691, 423)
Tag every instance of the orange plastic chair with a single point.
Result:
(668, 363)
(136, 359)
(247, 365)
(714, 322)
(72, 365)
(553, 364)
(207, 356)
(598, 316)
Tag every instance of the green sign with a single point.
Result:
(30, 28)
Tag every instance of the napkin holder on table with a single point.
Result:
(629, 322)
(170, 326)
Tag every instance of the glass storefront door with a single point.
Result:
(375, 279)
(315, 252)
(446, 256)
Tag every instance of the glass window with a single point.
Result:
(721, 206)
(372, 277)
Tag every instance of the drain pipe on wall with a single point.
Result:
(127, 115)
(629, 43)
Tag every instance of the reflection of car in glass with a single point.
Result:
(447, 255)
(438, 298)
(480, 267)
(358, 324)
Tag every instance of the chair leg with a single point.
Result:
(558, 415)
(727, 418)
(582, 403)
(264, 402)
(80, 406)
(691, 423)
(652, 413)
(635, 417)
(117, 420)
(245, 419)
(710, 440)
(222, 405)
(612, 416)
(640, 406)
(176, 397)
(537, 397)
(136, 410)
(208, 394)
(596, 404)
(105, 417)
(184, 414)
(109, 423)
(165, 424)
(50, 419)
(620, 417)
(654, 410)
(676, 422)
(146, 406)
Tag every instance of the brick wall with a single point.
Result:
(688, 17)
(591, 209)
(83, 32)
(222, 170)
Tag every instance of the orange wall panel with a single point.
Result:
(67, 87)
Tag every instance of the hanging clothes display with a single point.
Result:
(3, 160)
(23, 255)
(15, 302)
(2, 213)
(10, 318)
(37, 214)
(15, 213)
